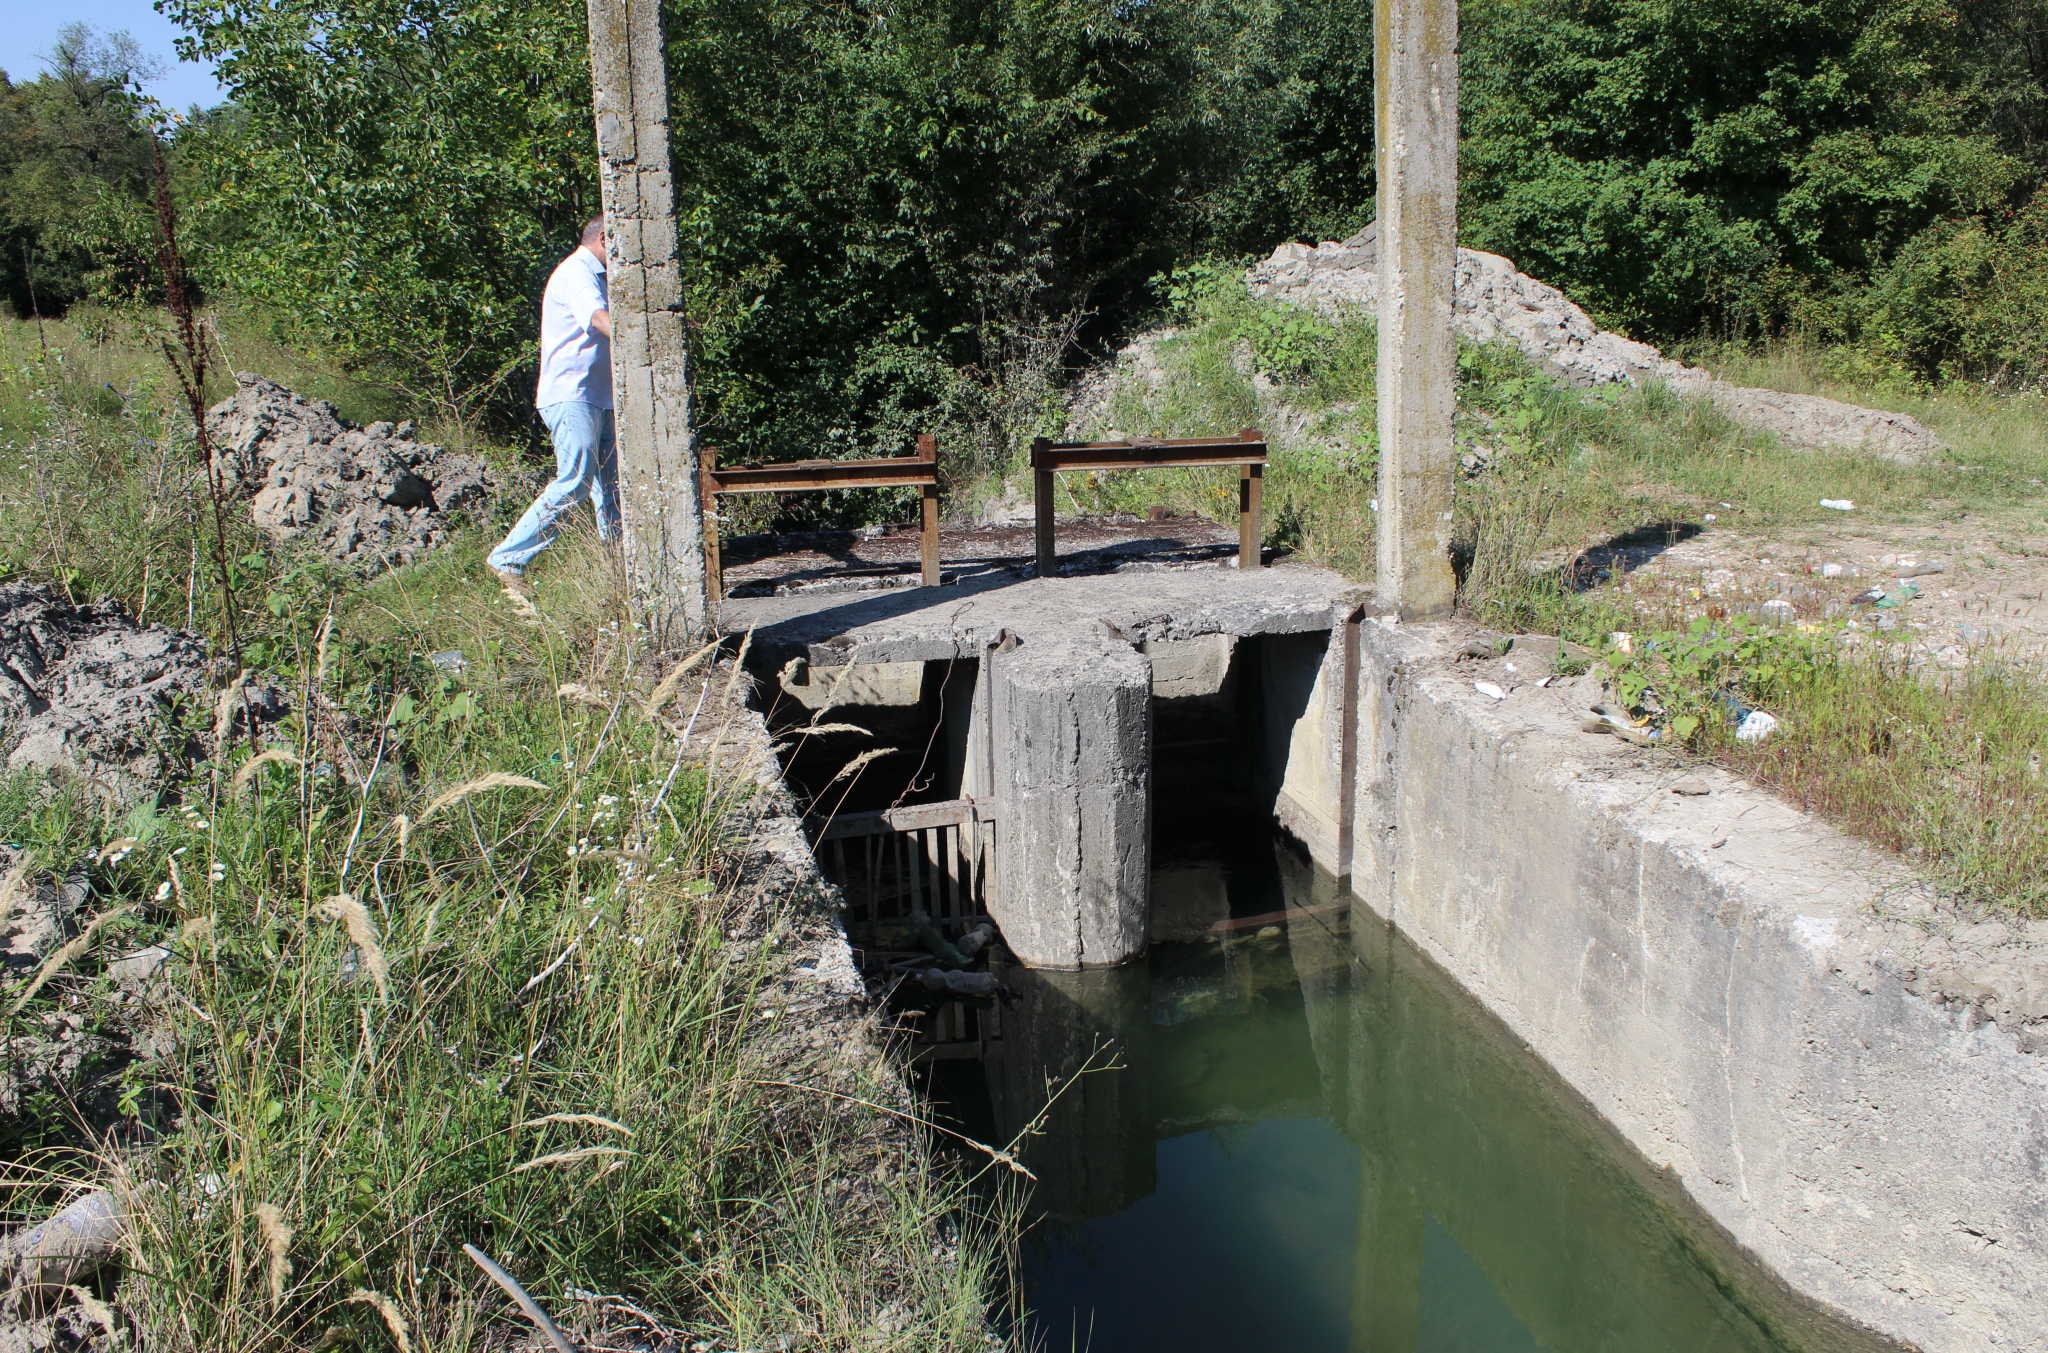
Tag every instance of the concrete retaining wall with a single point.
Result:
(1710, 972)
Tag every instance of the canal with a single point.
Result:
(1311, 1139)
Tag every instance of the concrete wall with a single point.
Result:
(1709, 973)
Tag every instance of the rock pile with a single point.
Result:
(1492, 301)
(87, 692)
(369, 497)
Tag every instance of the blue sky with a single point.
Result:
(28, 28)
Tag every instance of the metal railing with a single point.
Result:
(920, 471)
(1247, 451)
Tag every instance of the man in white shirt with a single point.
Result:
(575, 401)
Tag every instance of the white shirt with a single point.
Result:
(575, 359)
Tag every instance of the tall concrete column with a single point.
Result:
(1415, 110)
(650, 347)
(1071, 719)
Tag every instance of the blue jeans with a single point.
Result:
(586, 466)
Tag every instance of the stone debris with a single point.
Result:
(369, 498)
(86, 692)
(1493, 301)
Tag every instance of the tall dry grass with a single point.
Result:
(464, 956)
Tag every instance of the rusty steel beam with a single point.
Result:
(805, 476)
(920, 471)
(1247, 450)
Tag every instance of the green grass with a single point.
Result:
(401, 1084)
(1942, 767)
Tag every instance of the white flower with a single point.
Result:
(163, 890)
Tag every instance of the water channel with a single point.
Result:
(1316, 1141)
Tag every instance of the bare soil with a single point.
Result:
(1981, 588)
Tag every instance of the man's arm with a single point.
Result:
(602, 322)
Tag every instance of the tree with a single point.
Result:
(74, 169)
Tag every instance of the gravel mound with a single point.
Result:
(1491, 301)
(87, 692)
(369, 498)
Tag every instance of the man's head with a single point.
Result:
(593, 235)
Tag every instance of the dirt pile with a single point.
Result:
(86, 692)
(369, 498)
(1491, 301)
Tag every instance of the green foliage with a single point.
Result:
(1741, 163)
(75, 165)
(399, 178)
(1690, 669)
(1965, 299)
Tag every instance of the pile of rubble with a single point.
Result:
(1492, 301)
(369, 498)
(87, 692)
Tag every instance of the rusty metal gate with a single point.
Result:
(930, 860)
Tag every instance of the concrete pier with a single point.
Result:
(1046, 713)
(1072, 728)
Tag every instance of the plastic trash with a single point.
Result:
(1756, 727)
(1733, 709)
(1488, 688)
(1621, 641)
(1839, 504)
(450, 661)
(1920, 570)
(1898, 596)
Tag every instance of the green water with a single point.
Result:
(1317, 1142)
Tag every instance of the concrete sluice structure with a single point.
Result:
(1710, 973)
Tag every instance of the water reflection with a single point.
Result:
(1319, 1143)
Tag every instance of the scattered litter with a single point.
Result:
(1898, 596)
(1636, 736)
(450, 661)
(1543, 681)
(1840, 571)
(1375, 504)
(1756, 727)
(1692, 786)
(1838, 504)
(1867, 596)
(1777, 609)
(1907, 570)
(1718, 844)
(1621, 641)
(1488, 688)
(1711, 517)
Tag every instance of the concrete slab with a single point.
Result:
(926, 624)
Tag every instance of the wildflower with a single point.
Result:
(163, 890)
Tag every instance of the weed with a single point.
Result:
(434, 952)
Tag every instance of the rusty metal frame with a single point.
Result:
(1247, 451)
(920, 471)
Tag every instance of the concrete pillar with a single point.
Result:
(1071, 720)
(1415, 98)
(650, 348)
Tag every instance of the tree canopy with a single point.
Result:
(900, 214)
